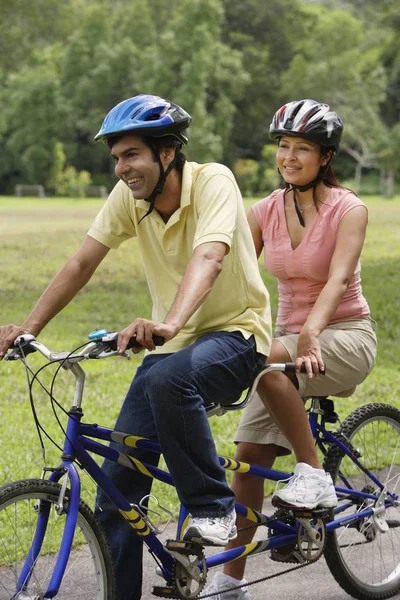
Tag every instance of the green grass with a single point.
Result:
(37, 236)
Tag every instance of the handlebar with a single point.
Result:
(102, 346)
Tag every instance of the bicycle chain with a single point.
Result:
(273, 519)
(177, 595)
(261, 579)
(266, 578)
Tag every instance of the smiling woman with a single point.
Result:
(312, 232)
(299, 160)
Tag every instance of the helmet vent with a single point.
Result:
(135, 114)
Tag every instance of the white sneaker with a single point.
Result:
(215, 531)
(223, 582)
(307, 488)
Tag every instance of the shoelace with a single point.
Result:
(211, 520)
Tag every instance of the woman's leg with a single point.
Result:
(310, 487)
(249, 490)
(281, 398)
(285, 405)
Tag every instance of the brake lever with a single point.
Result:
(21, 347)
(103, 350)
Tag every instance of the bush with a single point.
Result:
(67, 181)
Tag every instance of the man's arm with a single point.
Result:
(73, 276)
(200, 274)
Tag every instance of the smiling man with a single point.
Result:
(209, 305)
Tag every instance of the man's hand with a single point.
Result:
(143, 330)
(8, 334)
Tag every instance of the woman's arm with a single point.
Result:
(349, 244)
(255, 232)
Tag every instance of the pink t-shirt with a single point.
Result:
(303, 272)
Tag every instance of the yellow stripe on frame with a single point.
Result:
(125, 438)
(252, 516)
(250, 548)
(135, 521)
(234, 465)
(140, 466)
(184, 525)
(132, 440)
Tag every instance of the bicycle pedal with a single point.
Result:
(164, 591)
(186, 548)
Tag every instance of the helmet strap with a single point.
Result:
(304, 188)
(160, 183)
(296, 206)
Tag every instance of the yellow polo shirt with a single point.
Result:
(211, 209)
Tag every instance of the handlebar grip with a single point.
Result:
(21, 342)
(157, 339)
(111, 341)
(291, 368)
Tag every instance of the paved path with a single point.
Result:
(313, 582)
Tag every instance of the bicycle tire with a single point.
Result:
(364, 561)
(89, 573)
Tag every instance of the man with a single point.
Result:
(209, 305)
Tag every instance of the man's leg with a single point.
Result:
(126, 546)
(216, 368)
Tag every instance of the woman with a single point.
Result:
(312, 233)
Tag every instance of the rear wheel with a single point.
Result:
(364, 555)
(89, 572)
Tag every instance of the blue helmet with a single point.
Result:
(146, 115)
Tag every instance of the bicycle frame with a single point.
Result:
(80, 440)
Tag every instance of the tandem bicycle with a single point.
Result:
(51, 544)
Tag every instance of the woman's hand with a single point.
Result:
(309, 354)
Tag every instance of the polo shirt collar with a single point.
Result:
(187, 179)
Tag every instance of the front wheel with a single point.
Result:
(89, 572)
(364, 555)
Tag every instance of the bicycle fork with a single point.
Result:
(68, 470)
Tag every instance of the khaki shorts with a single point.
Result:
(349, 351)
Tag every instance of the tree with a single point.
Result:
(35, 114)
(338, 64)
(27, 26)
(265, 34)
(389, 159)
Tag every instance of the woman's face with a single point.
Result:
(299, 160)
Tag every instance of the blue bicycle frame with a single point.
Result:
(80, 440)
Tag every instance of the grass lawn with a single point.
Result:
(38, 235)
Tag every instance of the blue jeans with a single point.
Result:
(166, 402)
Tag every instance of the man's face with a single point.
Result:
(135, 165)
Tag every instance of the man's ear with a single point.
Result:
(167, 155)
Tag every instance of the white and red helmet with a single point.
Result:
(308, 119)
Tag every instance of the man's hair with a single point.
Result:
(155, 145)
